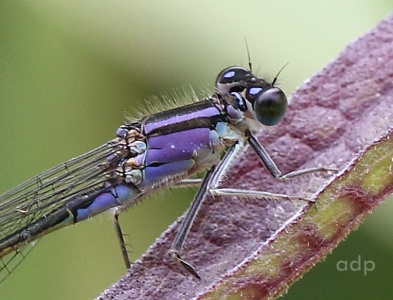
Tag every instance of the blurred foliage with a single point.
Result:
(70, 71)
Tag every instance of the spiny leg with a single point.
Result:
(189, 182)
(273, 170)
(271, 166)
(185, 227)
(212, 175)
(255, 194)
(120, 237)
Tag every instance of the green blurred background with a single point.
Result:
(70, 71)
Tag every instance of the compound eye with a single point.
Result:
(270, 106)
(231, 75)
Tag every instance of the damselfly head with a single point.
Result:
(263, 101)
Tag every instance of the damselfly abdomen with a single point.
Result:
(157, 151)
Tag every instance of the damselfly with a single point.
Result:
(159, 150)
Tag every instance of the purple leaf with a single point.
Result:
(249, 249)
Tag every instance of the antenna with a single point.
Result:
(248, 55)
(278, 73)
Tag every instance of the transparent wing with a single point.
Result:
(40, 195)
(9, 263)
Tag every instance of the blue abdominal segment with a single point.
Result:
(115, 196)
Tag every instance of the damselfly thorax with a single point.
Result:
(159, 150)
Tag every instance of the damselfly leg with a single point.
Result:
(210, 185)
